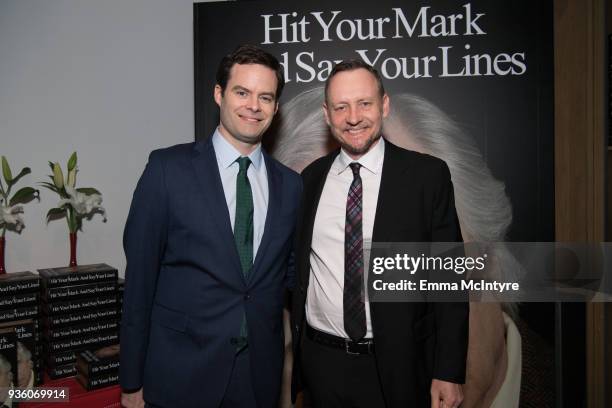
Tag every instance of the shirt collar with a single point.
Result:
(371, 161)
(227, 154)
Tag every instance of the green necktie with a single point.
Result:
(243, 223)
(243, 232)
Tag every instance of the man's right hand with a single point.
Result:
(132, 400)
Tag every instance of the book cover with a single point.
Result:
(8, 360)
(27, 366)
(26, 332)
(26, 340)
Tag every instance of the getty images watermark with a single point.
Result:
(428, 264)
(489, 272)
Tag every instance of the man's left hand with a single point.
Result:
(445, 394)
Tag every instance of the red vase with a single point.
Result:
(2, 268)
(73, 248)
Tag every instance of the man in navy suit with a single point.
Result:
(207, 243)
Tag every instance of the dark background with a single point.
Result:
(510, 117)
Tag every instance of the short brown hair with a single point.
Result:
(351, 65)
(250, 54)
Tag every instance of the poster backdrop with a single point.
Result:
(476, 77)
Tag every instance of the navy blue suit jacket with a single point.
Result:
(185, 294)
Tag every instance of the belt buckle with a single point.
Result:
(347, 348)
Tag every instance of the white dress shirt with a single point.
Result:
(324, 301)
(258, 178)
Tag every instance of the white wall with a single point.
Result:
(110, 79)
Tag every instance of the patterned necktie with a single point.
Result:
(354, 308)
(243, 233)
(243, 222)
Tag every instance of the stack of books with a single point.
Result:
(98, 368)
(80, 310)
(120, 288)
(20, 353)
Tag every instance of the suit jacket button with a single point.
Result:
(302, 289)
(247, 296)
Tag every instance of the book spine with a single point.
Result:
(67, 370)
(77, 291)
(79, 304)
(26, 285)
(98, 339)
(20, 313)
(94, 383)
(81, 329)
(97, 368)
(58, 359)
(62, 320)
(79, 278)
(18, 300)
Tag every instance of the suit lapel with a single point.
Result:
(274, 207)
(392, 172)
(207, 172)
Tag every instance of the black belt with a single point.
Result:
(365, 346)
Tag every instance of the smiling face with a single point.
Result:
(247, 105)
(354, 110)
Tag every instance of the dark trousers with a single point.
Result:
(333, 378)
(239, 392)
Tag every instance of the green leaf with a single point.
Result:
(50, 186)
(72, 161)
(23, 195)
(55, 213)
(6, 171)
(88, 190)
(23, 172)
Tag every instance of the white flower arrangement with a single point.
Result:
(82, 203)
(75, 203)
(11, 216)
(11, 208)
